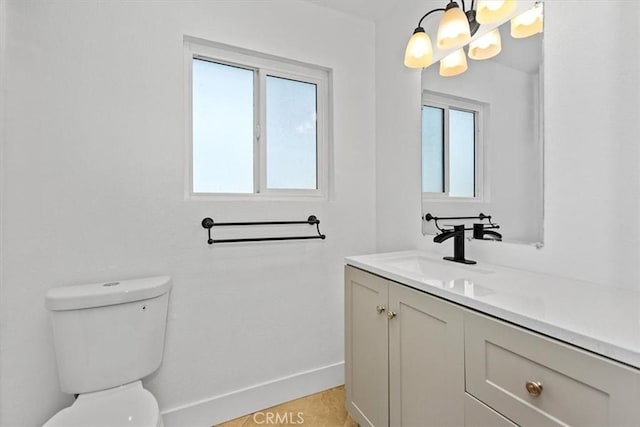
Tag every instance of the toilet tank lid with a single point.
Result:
(106, 293)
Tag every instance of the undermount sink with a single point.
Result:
(434, 268)
(422, 272)
(418, 270)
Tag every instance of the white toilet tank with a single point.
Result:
(108, 334)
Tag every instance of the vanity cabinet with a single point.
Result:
(537, 381)
(413, 359)
(404, 355)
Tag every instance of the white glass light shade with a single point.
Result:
(453, 64)
(492, 11)
(527, 24)
(487, 46)
(453, 30)
(419, 52)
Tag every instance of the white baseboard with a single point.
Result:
(218, 409)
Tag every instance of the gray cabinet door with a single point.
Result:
(366, 345)
(426, 360)
(477, 414)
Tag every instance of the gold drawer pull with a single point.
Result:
(380, 308)
(534, 388)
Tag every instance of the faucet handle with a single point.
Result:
(478, 231)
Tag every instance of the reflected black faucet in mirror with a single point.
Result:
(480, 232)
(458, 243)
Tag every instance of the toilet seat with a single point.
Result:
(128, 405)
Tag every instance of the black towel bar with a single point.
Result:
(209, 223)
(481, 217)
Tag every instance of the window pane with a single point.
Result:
(291, 134)
(432, 150)
(222, 128)
(461, 153)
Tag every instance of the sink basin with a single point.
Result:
(434, 268)
(424, 272)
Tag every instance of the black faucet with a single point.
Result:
(458, 244)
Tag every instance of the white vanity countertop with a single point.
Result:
(603, 320)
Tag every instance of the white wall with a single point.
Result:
(93, 159)
(592, 179)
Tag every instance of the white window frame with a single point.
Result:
(446, 102)
(264, 65)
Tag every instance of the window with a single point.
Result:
(451, 148)
(258, 125)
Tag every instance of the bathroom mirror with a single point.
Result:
(482, 141)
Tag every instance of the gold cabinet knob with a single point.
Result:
(391, 314)
(534, 388)
(380, 308)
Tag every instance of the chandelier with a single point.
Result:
(458, 26)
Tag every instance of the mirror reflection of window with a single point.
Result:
(432, 149)
(461, 153)
(450, 152)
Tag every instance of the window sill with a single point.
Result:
(453, 199)
(204, 197)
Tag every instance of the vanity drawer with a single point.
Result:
(577, 388)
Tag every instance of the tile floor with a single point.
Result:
(324, 409)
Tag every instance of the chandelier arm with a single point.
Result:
(429, 13)
(464, 7)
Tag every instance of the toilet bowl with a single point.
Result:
(108, 337)
(129, 405)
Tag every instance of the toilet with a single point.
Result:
(108, 336)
